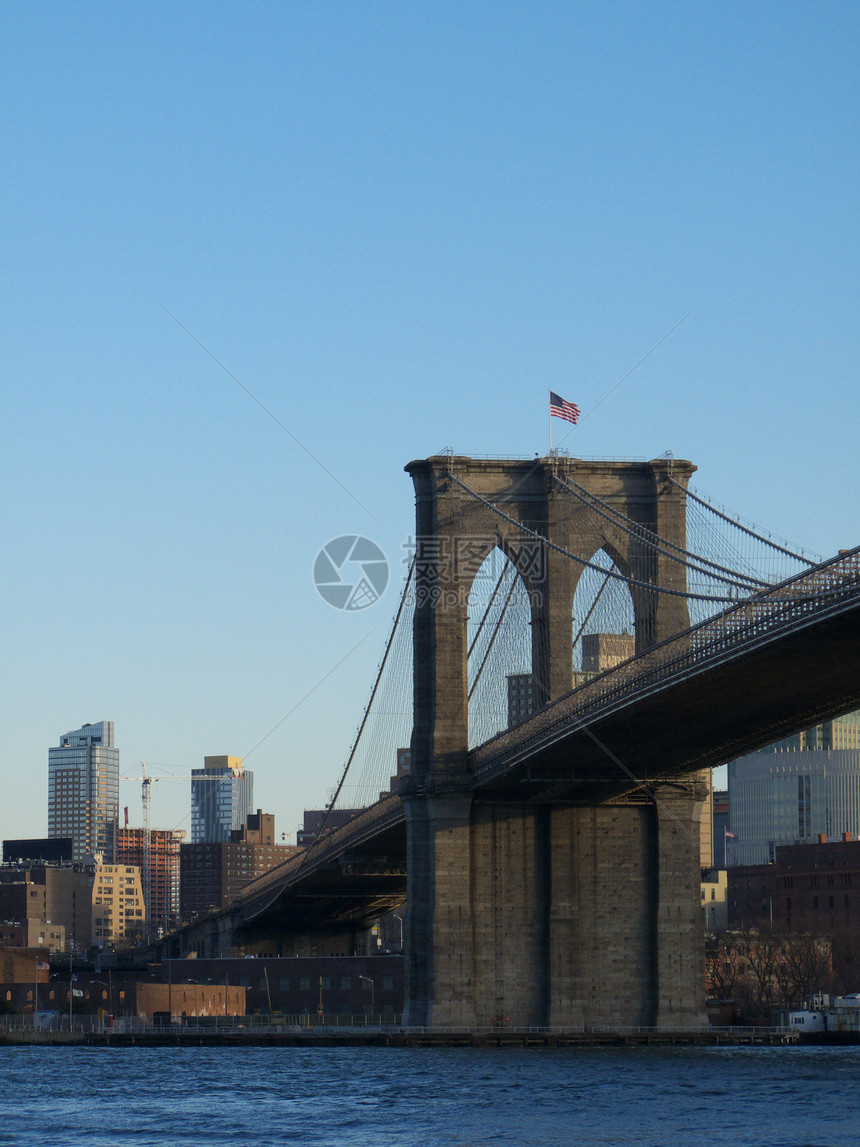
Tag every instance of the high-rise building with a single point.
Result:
(798, 791)
(840, 733)
(83, 789)
(521, 703)
(720, 822)
(163, 896)
(222, 796)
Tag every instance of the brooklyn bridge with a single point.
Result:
(577, 643)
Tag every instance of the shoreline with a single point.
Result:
(405, 1038)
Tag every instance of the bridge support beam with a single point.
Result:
(440, 957)
(680, 931)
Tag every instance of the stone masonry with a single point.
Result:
(531, 913)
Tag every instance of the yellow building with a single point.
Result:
(118, 912)
(715, 899)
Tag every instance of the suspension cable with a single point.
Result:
(494, 634)
(651, 587)
(366, 715)
(486, 613)
(634, 529)
(740, 526)
(591, 610)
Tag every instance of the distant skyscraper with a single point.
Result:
(521, 700)
(797, 791)
(222, 795)
(83, 789)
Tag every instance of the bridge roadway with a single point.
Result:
(779, 662)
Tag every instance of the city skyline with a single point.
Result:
(397, 231)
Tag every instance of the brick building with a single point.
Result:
(30, 933)
(213, 874)
(343, 986)
(36, 895)
(302, 985)
(810, 888)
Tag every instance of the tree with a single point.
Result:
(805, 966)
(764, 970)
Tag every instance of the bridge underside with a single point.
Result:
(696, 722)
(324, 908)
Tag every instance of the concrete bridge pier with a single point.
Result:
(680, 928)
(556, 916)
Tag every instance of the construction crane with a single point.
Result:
(146, 857)
(147, 781)
(146, 845)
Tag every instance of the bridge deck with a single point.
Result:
(776, 663)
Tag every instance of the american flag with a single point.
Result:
(561, 409)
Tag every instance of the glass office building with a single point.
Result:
(795, 792)
(83, 790)
(222, 796)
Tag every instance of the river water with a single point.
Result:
(338, 1097)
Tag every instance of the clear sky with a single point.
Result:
(398, 226)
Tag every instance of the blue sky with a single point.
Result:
(398, 226)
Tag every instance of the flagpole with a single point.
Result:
(550, 426)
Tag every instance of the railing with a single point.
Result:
(200, 1025)
(752, 622)
(303, 1024)
(543, 458)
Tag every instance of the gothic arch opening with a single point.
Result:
(604, 626)
(499, 644)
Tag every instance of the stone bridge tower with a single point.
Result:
(530, 913)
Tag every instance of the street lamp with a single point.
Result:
(400, 918)
(71, 982)
(370, 981)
